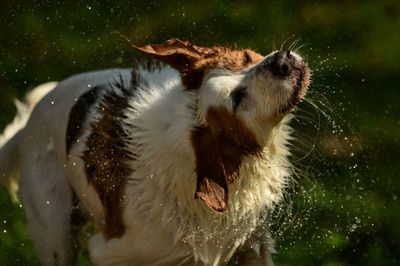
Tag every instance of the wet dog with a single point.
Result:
(178, 162)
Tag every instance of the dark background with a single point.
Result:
(344, 209)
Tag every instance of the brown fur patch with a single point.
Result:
(220, 147)
(194, 61)
(78, 115)
(105, 159)
(218, 57)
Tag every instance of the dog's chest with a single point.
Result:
(178, 235)
(180, 226)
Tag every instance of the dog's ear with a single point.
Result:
(220, 147)
(212, 181)
(178, 54)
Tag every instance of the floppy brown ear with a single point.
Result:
(212, 182)
(220, 147)
(178, 54)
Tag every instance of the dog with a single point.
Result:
(178, 162)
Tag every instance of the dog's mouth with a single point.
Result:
(300, 78)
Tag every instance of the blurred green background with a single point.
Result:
(344, 209)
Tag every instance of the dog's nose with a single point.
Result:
(281, 64)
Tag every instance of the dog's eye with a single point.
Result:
(237, 96)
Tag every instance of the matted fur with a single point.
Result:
(178, 166)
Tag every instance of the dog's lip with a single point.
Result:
(302, 75)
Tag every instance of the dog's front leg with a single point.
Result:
(257, 250)
(254, 257)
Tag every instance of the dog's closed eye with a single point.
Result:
(237, 96)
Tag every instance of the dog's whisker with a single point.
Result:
(319, 109)
(298, 49)
(293, 44)
(273, 44)
(284, 42)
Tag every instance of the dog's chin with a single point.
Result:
(300, 78)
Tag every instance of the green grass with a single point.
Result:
(345, 210)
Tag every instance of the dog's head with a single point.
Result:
(241, 96)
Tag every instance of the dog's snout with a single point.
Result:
(282, 64)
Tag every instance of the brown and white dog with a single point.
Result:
(179, 164)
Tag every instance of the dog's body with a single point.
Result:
(178, 167)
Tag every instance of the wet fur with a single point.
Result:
(162, 160)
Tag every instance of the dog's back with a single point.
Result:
(33, 154)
